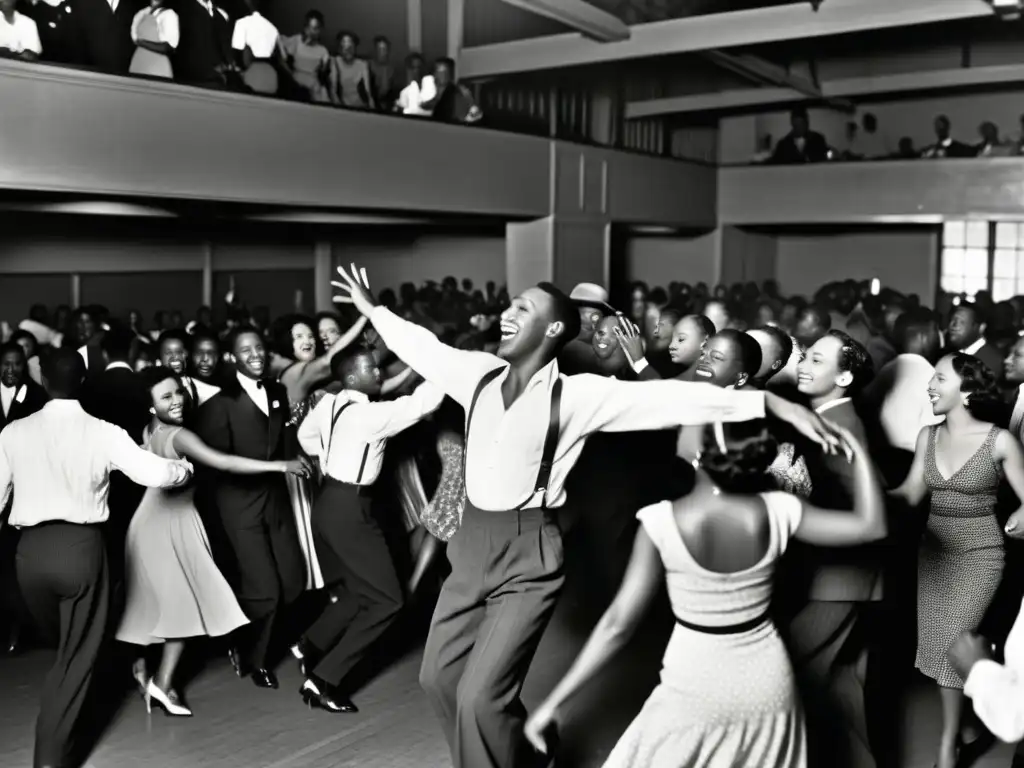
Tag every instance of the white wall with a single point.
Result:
(662, 260)
(395, 260)
(906, 260)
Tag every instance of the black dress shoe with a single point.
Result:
(264, 678)
(241, 668)
(318, 695)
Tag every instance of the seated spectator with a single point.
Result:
(255, 42)
(990, 145)
(382, 75)
(203, 55)
(53, 23)
(155, 32)
(19, 38)
(946, 145)
(307, 61)
(350, 76)
(801, 144)
(906, 150)
(410, 100)
(451, 102)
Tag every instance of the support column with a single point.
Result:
(76, 290)
(207, 274)
(456, 23)
(414, 24)
(323, 273)
(557, 249)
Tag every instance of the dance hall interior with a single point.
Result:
(511, 383)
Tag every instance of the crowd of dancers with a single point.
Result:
(735, 447)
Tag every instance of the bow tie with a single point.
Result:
(259, 383)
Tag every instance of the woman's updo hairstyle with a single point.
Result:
(749, 450)
(979, 384)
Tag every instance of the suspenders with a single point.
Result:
(330, 439)
(547, 458)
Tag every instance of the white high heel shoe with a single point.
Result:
(164, 701)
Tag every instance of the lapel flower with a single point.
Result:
(276, 404)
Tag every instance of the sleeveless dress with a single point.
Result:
(725, 701)
(300, 492)
(174, 589)
(960, 563)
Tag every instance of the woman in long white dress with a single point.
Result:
(727, 697)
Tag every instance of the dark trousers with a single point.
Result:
(12, 605)
(830, 660)
(1018, 756)
(62, 570)
(268, 571)
(360, 574)
(507, 572)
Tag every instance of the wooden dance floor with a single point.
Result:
(237, 726)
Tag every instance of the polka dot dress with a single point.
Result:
(724, 701)
(960, 562)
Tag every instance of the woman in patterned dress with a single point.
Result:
(960, 563)
(727, 697)
(174, 589)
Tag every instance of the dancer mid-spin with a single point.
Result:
(525, 428)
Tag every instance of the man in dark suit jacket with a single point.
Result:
(801, 144)
(19, 397)
(830, 592)
(102, 33)
(966, 333)
(204, 54)
(247, 418)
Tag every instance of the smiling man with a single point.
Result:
(205, 359)
(247, 418)
(728, 359)
(525, 428)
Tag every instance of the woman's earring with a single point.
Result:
(966, 401)
(153, 411)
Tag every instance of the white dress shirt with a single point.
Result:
(60, 459)
(504, 447)
(167, 24)
(257, 34)
(973, 348)
(900, 392)
(414, 94)
(256, 392)
(20, 34)
(205, 391)
(998, 689)
(7, 397)
(117, 364)
(362, 431)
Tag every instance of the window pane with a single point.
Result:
(952, 262)
(952, 283)
(1003, 289)
(976, 263)
(954, 233)
(974, 284)
(1019, 291)
(1006, 234)
(1005, 263)
(977, 234)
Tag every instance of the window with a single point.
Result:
(983, 256)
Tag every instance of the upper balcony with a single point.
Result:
(912, 192)
(82, 133)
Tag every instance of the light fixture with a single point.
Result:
(581, 16)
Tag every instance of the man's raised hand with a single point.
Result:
(354, 288)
